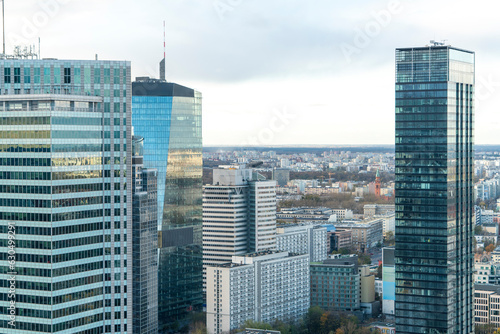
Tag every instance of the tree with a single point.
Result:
(257, 325)
(490, 248)
(313, 319)
(478, 230)
(379, 271)
(364, 259)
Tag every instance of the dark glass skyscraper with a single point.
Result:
(144, 243)
(434, 189)
(168, 116)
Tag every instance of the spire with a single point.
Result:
(378, 173)
(163, 61)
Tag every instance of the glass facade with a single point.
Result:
(434, 190)
(64, 144)
(168, 116)
(144, 243)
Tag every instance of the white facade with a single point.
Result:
(264, 286)
(388, 221)
(379, 286)
(239, 216)
(304, 239)
(262, 215)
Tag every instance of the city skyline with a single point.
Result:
(298, 58)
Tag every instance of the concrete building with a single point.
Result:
(303, 239)
(264, 287)
(388, 221)
(239, 215)
(335, 284)
(495, 255)
(365, 234)
(339, 239)
(487, 305)
(370, 210)
(487, 272)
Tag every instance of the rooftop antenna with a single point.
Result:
(39, 52)
(3, 23)
(162, 63)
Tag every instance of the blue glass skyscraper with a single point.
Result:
(168, 116)
(434, 189)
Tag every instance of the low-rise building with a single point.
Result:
(487, 305)
(388, 222)
(335, 284)
(264, 287)
(371, 210)
(388, 281)
(365, 234)
(487, 273)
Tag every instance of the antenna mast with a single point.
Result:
(163, 61)
(3, 23)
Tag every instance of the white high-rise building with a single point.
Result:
(303, 239)
(264, 286)
(239, 215)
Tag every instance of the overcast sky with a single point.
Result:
(274, 72)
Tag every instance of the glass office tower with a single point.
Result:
(434, 189)
(168, 116)
(64, 146)
(144, 243)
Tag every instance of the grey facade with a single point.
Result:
(64, 145)
(434, 190)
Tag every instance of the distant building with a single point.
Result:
(264, 287)
(384, 328)
(339, 239)
(370, 210)
(281, 176)
(365, 234)
(495, 255)
(285, 163)
(377, 184)
(487, 273)
(379, 286)
(304, 214)
(303, 239)
(388, 281)
(260, 331)
(487, 305)
(368, 304)
(335, 284)
(321, 190)
(389, 221)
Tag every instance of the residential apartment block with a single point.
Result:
(264, 286)
(303, 239)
